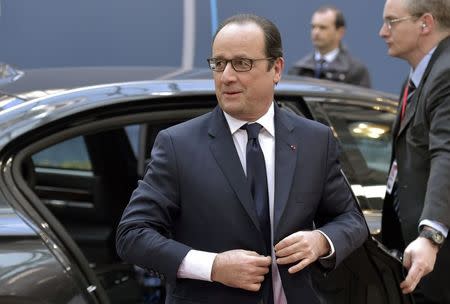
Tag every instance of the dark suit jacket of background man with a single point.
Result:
(423, 195)
(344, 68)
(195, 195)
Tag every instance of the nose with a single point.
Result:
(228, 74)
(384, 31)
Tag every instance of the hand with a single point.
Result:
(304, 247)
(419, 258)
(240, 269)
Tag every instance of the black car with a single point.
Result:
(71, 154)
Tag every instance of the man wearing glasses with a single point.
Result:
(227, 207)
(416, 213)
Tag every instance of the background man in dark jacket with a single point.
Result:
(330, 59)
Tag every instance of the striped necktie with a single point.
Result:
(407, 95)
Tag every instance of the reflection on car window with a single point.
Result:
(133, 137)
(364, 134)
(373, 141)
(69, 154)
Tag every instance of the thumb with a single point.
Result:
(407, 260)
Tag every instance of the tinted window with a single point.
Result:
(69, 154)
(365, 136)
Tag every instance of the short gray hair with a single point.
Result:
(440, 9)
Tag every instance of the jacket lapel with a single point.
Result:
(224, 151)
(412, 105)
(410, 110)
(285, 162)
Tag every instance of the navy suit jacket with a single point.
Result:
(195, 195)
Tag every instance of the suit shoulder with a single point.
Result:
(306, 62)
(305, 123)
(189, 126)
(352, 60)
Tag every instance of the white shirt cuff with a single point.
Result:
(197, 265)
(331, 254)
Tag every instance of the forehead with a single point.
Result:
(239, 39)
(395, 8)
(327, 17)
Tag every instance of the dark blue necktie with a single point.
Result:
(257, 178)
(319, 67)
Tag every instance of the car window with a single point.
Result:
(133, 136)
(364, 134)
(72, 154)
(69, 154)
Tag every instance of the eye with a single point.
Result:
(242, 63)
(219, 64)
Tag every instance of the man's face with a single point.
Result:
(244, 95)
(403, 37)
(324, 34)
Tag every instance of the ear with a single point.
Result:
(278, 67)
(340, 32)
(428, 23)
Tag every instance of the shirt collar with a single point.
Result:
(329, 57)
(416, 74)
(266, 121)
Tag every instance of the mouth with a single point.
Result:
(231, 93)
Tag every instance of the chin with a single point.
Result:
(392, 52)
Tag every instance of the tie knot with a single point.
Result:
(321, 61)
(411, 86)
(252, 130)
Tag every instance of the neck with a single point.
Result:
(425, 45)
(323, 52)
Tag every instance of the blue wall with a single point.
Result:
(54, 33)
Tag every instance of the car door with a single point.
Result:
(371, 274)
(85, 176)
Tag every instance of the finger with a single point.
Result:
(295, 257)
(252, 287)
(286, 242)
(286, 251)
(262, 261)
(302, 264)
(407, 260)
(411, 280)
(260, 271)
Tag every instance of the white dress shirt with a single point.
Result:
(328, 57)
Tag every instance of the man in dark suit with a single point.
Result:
(196, 216)
(330, 60)
(416, 212)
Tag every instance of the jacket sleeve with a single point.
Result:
(437, 197)
(143, 234)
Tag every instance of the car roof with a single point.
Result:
(44, 95)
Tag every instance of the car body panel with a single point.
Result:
(29, 271)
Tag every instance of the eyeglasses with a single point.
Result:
(238, 64)
(390, 22)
